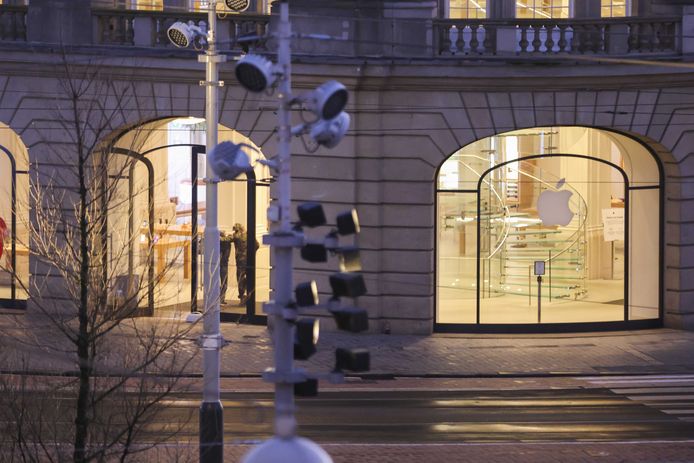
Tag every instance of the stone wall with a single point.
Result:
(407, 120)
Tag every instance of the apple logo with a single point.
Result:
(553, 206)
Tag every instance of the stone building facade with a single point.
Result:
(420, 90)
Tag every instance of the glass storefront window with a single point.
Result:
(159, 224)
(556, 196)
(14, 235)
(614, 8)
(543, 9)
(467, 9)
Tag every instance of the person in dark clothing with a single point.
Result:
(240, 240)
(224, 254)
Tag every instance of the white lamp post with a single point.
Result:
(211, 412)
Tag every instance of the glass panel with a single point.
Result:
(18, 153)
(644, 209)
(456, 278)
(613, 8)
(542, 9)
(467, 9)
(582, 272)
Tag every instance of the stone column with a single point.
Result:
(65, 22)
(506, 36)
(587, 9)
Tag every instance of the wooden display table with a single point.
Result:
(165, 242)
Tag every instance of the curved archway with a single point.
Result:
(14, 215)
(173, 219)
(549, 228)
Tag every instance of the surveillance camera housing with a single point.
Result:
(228, 160)
(183, 35)
(255, 73)
(328, 100)
(329, 132)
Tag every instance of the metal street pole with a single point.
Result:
(211, 413)
(285, 423)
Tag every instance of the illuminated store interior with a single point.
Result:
(596, 237)
(168, 149)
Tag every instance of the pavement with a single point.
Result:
(398, 362)
(516, 452)
(27, 345)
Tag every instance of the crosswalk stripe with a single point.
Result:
(670, 394)
(642, 390)
(658, 398)
(636, 377)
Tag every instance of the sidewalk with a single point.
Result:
(644, 352)
(249, 352)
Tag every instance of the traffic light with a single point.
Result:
(351, 319)
(347, 284)
(352, 359)
(305, 338)
(306, 294)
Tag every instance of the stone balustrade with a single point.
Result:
(553, 36)
(451, 37)
(148, 28)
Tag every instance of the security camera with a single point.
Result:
(255, 73)
(228, 160)
(183, 35)
(328, 100)
(238, 5)
(329, 132)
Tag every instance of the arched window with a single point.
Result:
(550, 225)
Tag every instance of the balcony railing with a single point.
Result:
(453, 38)
(13, 20)
(148, 28)
(549, 37)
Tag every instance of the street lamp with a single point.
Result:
(211, 341)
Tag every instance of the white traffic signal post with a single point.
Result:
(211, 431)
(294, 337)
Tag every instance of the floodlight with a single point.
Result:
(308, 388)
(306, 294)
(348, 223)
(350, 260)
(306, 338)
(255, 73)
(352, 359)
(238, 5)
(315, 253)
(329, 132)
(351, 319)
(311, 214)
(347, 284)
(228, 160)
(328, 100)
(183, 35)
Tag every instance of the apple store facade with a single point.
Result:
(549, 229)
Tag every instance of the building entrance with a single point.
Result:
(160, 220)
(554, 228)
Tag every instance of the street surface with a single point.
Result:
(599, 418)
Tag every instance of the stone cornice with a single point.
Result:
(510, 73)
